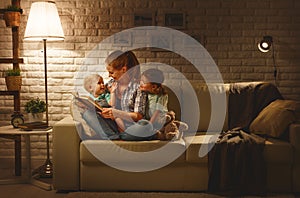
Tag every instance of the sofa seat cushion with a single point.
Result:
(111, 149)
(195, 142)
(275, 150)
(278, 151)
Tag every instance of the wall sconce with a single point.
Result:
(264, 46)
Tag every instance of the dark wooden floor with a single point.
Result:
(27, 191)
(32, 191)
(24, 190)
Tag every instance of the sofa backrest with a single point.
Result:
(192, 104)
(213, 107)
(174, 101)
(219, 118)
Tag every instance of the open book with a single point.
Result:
(88, 102)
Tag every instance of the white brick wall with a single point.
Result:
(232, 30)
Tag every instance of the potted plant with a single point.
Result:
(13, 80)
(12, 16)
(35, 109)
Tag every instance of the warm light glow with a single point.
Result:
(263, 47)
(43, 23)
(265, 44)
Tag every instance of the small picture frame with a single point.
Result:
(175, 20)
(144, 18)
(161, 42)
(122, 39)
(193, 41)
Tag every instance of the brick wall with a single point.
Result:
(229, 29)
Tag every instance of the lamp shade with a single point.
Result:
(43, 23)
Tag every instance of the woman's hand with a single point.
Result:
(112, 113)
(107, 113)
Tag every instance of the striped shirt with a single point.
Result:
(130, 101)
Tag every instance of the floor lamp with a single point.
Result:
(44, 25)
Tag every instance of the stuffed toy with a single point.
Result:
(172, 129)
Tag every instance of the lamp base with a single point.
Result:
(44, 171)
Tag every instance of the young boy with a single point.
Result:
(157, 100)
(94, 84)
(99, 92)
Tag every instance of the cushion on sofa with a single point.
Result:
(174, 95)
(275, 118)
(195, 143)
(107, 148)
(204, 93)
(247, 99)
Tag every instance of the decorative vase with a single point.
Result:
(12, 19)
(35, 117)
(13, 83)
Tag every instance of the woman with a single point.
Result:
(124, 68)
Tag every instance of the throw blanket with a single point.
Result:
(236, 163)
(247, 100)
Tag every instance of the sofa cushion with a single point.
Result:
(174, 99)
(275, 150)
(275, 118)
(247, 99)
(195, 143)
(107, 149)
(204, 93)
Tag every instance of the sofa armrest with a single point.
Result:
(66, 143)
(295, 141)
(295, 136)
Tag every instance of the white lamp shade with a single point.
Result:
(43, 23)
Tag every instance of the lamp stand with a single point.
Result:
(46, 170)
(46, 88)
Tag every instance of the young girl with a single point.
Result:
(156, 107)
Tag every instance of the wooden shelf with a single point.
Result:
(2, 11)
(5, 93)
(11, 60)
(15, 60)
(16, 95)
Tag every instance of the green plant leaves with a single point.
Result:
(35, 106)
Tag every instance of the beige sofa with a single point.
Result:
(75, 168)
